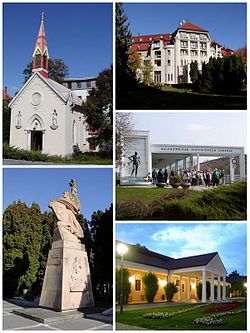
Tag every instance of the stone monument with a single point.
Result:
(67, 283)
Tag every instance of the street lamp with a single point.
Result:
(121, 249)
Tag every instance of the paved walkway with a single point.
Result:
(152, 306)
(15, 322)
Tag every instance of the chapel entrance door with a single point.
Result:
(36, 140)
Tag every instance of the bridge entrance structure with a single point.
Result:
(174, 156)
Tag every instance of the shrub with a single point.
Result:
(170, 290)
(199, 290)
(126, 285)
(150, 282)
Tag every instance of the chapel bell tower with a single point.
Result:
(40, 57)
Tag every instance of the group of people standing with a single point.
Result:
(194, 177)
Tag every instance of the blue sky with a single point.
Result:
(226, 22)
(182, 240)
(41, 185)
(78, 33)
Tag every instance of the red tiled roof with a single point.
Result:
(226, 52)
(150, 38)
(191, 26)
(6, 97)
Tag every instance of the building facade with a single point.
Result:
(186, 273)
(170, 55)
(80, 86)
(45, 115)
(173, 156)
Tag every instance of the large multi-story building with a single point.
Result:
(171, 54)
(81, 86)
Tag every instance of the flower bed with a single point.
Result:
(214, 320)
(225, 307)
(164, 315)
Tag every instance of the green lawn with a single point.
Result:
(182, 321)
(169, 98)
(227, 202)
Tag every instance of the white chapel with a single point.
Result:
(45, 115)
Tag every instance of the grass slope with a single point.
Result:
(227, 202)
(177, 99)
(181, 321)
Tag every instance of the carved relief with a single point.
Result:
(78, 281)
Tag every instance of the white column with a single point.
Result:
(195, 289)
(169, 277)
(198, 162)
(218, 290)
(180, 295)
(188, 288)
(224, 296)
(231, 170)
(242, 166)
(176, 166)
(184, 163)
(212, 287)
(204, 290)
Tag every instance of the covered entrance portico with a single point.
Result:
(177, 157)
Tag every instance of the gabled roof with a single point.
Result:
(191, 26)
(193, 261)
(63, 92)
(147, 257)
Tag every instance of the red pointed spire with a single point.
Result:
(40, 61)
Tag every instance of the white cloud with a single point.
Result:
(198, 239)
(198, 127)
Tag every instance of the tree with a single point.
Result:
(147, 70)
(242, 52)
(199, 290)
(141, 246)
(125, 77)
(98, 110)
(126, 285)
(124, 124)
(6, 122)
(170, 289)
(134, 61)
(101, 229)
(234, 273)
(49, 223)
(57, 70)
(22, 236)
(194, 72)
(151, 287)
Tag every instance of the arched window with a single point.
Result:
(44, 60)
(38, 60)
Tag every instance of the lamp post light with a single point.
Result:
(121, 249)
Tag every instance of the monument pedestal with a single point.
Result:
(67, 283)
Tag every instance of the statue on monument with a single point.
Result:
(67, 263)
(136, 160)
(66, 208)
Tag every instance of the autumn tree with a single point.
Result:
(124, 124)
(98, 110)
